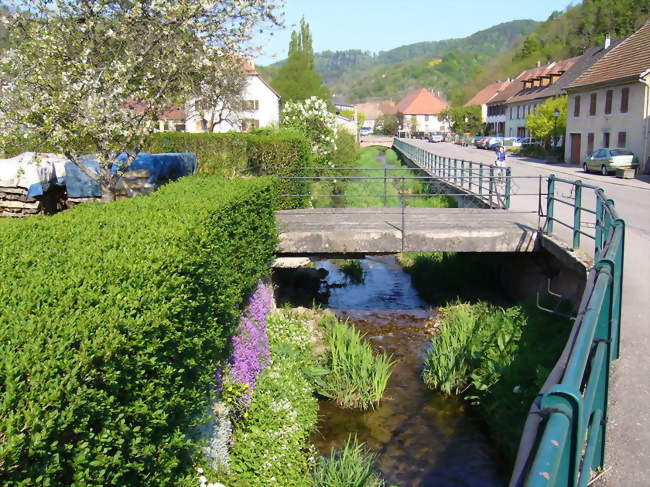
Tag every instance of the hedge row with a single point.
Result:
(112, 319)
(276, 153)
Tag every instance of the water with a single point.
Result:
(423, 438)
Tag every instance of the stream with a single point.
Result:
(422, 437)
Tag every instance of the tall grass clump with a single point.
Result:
(351, 466)
(353, 271)
(357, 377)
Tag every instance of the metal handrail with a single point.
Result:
(565, 436)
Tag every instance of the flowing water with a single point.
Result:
(422, 437)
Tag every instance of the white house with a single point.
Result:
(418, 112)
(373, 111)
(261, 109)
(609, 104)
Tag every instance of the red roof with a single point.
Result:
(375, 109)
(484, 96)
(421, 102)
(174, 113)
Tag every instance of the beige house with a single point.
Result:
(609, 104)
(483, 97)
(418, 111)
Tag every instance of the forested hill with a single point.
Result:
(440, 65)
(564, 34)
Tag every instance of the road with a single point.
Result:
(628, 444)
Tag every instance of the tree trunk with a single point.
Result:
(107, 184)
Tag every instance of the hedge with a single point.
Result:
(113, 317)
(276, 153)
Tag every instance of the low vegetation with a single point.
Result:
(357, 377)
(353, 271)
(498, 358)
(351, 466)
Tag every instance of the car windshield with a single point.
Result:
(619, 152)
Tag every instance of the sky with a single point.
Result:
(380, 25)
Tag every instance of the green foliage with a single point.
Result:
(498, 358)
(357, 377)
(351, 466)
(475, 344)
(271, 445)
(113, 317)
(463, 119)
(353, 271)
(347, 149)
(276, 153)
(386, 124)
(297, 80)
(441, 277)
(542, 121)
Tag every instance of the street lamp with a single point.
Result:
(556, 113)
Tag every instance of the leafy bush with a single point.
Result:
(353, 271)
(276, 153)
(113, 316)
(347, 149)
(352, 466)
(357, 377)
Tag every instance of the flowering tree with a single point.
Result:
(312, 118)
(97, 74)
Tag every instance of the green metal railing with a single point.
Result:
(564, 439)
(487, 183)
(570, 436)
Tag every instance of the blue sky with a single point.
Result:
(380, 25)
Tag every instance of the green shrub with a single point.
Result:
(351, 466)
(272, 444)
(357, 377)
(353, 271)
(113, 317)
(276, 153)
(347, 149)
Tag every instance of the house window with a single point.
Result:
(249, 124)
(608, 101)
(426, 118)
(590, 142)
(510, 132)
(251, 105)
(622, 136)
(518, 116)
(576, 106)
(625, 96)
(592, 104)
(605, 139)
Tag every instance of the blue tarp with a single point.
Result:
(161, 167)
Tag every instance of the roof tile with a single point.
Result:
(421, 102)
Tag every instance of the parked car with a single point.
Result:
(476, 139)
(482, 144)
(364, 131)
(494, 143)
(609, 160)
(528, 141)
(435, 137)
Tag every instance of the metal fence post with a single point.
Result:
(598, 240)
(385, 187)
(577, 210)
(491, 184)
(470, 175)
(508, 187)
(550, 197)
(480, 179)
(456, 172)
(462, 173)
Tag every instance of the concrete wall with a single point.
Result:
(633, 123)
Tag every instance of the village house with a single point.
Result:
(485, 95)
(496, 107)
(418, 111)
(373, 111)
(609, 104)
(261, 109)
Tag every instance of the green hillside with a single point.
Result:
(441, 65)
(564, 34)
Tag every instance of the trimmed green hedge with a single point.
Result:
(275, 153)
(113, 317)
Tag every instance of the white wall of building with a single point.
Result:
(634, 123)
(264, 112)
(425, 123)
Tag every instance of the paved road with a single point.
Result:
(628, 446)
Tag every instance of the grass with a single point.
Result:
(498, 358)
(371, 192)
(351, 466)
(357, 377)
(353, 271)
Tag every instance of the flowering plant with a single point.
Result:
(318, 124)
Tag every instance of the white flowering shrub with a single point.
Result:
(312, 118)
(289, 328)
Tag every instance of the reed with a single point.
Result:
(351, 466)
(357, 377)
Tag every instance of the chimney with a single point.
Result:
(608, 41)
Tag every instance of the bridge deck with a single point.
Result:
(379, 231)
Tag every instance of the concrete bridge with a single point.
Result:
(376, 140)
(367, 231)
